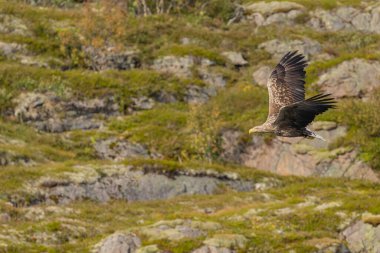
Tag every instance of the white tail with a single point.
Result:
(312, 134)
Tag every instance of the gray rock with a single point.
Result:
(230, 241)
(347, 18)
(179, 66)
(278, 48)
(120, 182)
(261, 75)
(179, 229)
(299, 156)
(50, 113)
(110, 58)
(231, 148)
(118, 243)
(215, 81)
(114, 149)
(212, 249)
(197, 95)
(354, 78)
(142, 103)
(267, 13)
(235, 58)
(362, 237)
(268, 8)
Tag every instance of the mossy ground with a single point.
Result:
(186, 135)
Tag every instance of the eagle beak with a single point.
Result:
(251, 131)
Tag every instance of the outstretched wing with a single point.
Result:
(300, 114)
(286, 83)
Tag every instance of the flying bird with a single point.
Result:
(289, 112)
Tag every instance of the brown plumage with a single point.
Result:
(289, 112)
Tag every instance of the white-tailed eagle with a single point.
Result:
(289, 112)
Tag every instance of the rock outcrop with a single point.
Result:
(110, 58)
(278, 48)
(268, 13)
(117, 150)
(175, 230)
(261, 75)
(362, 237)
(118, 243)
(50, 113)
(354, 78)
(123, 182)
(347, 18)
(298, 156)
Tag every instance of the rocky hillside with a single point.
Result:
(124, 127)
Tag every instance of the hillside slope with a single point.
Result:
(124, 127)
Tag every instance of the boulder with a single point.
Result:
(124, 182)
(50, 113)
(197, 95)
(117, 150)
(175, 230)
(261, 75)
(142, 103)
(111, 58)
(347, 18)
(268, 8)
(235, 58)
(118, 243)
(212, 249)
(179, 66)
(267, 13)
(230, 241)
(362, 237)
(279, 48)
(353, 78)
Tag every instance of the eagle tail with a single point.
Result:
(315, 135)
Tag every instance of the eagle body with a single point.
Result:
(289, 111)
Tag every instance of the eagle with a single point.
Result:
(289, 111)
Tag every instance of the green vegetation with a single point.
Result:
(184, 136)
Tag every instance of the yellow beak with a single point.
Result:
(252, 130)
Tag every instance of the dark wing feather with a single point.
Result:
(300, 114)
(286, 83)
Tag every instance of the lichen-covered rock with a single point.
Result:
(50, 113)
(298, 156)
(261, 75)
(142, 103)
(114, 149)
(235, 58)
(347, 18)
(362, 237)
(354, 78)
(230, 241)
(110, 58)
(267, 13)
(278, 48)
(268, 8)
(197, 95)
(121, 182)
(175, 230)
(118, 243)
(179, 66)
